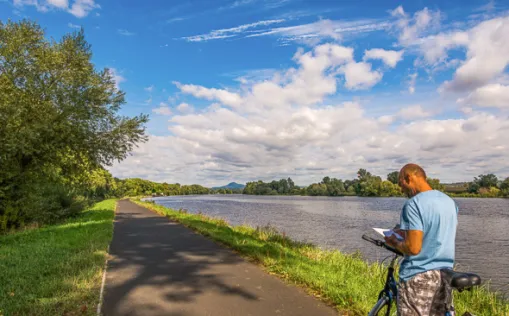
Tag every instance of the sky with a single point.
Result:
(247, 90)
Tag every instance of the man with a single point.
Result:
(428, 225)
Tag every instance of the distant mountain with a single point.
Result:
(231, 186)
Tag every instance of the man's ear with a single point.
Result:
(409, 178)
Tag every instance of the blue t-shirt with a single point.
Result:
(435, 214)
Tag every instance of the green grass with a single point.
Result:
(56, 270)
(345, 281)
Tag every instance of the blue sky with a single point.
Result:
(259, 89)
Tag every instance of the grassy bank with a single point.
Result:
(346, 281)
(56, 270)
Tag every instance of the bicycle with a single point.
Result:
(453, 280)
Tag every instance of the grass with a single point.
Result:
(346, 281)
(56, 270)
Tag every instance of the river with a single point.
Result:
(482, 240)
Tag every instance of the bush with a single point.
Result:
(45, 204)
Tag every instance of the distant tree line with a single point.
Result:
(367, 184)
(140, 187)
(484, 185)
(226, 191)
(283, 186)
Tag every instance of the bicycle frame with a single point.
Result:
(389, 293)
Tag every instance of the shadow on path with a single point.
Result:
(158, 267)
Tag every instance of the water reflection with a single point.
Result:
(482, 242)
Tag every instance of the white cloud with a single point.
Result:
(411, 28)
(73, 26)
(176, 19)
(226, 97)
(411, 82)
(116, 77)
(184, 108)
(360, 76)
(79, 8)
(434, 48)
(485, 44)
(149, 88)
(413, 112)
(492, 95)
(389, 57)
(315, 78)
(477, 78)
(219, 144)
(486, 58)
(62, 4)
(386, 119)
(409, 113)
(229, 32)
(163, 109)
(125, 32)
(311, 33)
(240, 3)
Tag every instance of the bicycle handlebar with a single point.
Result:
(382, 244)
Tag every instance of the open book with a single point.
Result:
(387, 233)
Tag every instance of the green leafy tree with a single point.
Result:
(283, 187)
(291, 184)
(335, 187)
(58, 119)
(504, 187)
(317, 189)
(387, 188)
(393, 177)
(473, 187)
(486, 180)
(435, 184)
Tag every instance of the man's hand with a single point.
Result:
(392, 241)
(411, 245)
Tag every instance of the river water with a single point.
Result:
(482, 240)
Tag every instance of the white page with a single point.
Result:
(387, 232)
(381, 231)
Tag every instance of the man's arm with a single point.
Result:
(411, 245)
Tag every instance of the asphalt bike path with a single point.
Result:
(159, 267)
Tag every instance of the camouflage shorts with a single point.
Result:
(422, 295)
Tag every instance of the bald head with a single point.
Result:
(413, 180)
(413, 169)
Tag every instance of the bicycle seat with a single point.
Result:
(461, 280)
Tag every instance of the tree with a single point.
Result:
(473, 187)
(435, 184)
(363, 174)
(317, 189)
(486, 181)
(58, 117)
(283, 187)
(387, 188)
(370, 186)
(504, 187)
(393, 177)
(335, 187)
(291, 184)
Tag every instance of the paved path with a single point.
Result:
(158, 267)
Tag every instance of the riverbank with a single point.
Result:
(56, 270)
(346, 281)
